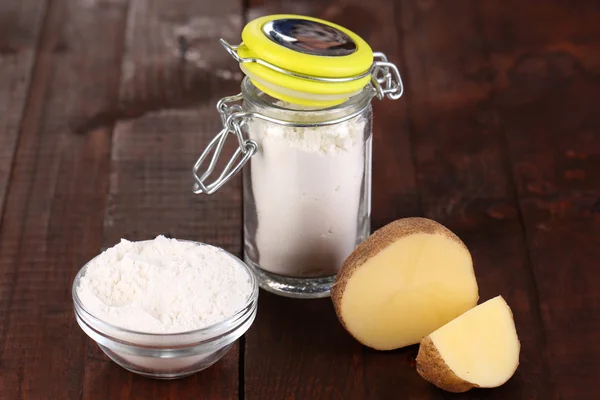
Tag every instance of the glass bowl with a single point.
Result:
(167, 356)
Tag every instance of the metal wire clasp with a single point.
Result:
(386, 78)
(232, 118)
(233, 49)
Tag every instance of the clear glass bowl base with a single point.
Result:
(165, 368)
(299, 288)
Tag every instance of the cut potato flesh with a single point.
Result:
(404, 282)
(478, 349)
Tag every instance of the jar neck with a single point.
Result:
(258, 101)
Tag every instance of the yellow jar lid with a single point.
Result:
(304, 60)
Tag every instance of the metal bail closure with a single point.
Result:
(232, 118)
(299, 60)
(385, 76)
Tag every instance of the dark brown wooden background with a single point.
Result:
(106, 104)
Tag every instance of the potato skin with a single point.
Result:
(378, 241)
(432, 367)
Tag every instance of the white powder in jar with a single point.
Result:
(306, 184)
(164, 286)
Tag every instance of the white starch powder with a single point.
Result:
(164, 286)
(307, 184)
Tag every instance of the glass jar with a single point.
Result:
(306, 143)
(307, 190)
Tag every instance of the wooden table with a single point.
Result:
(106, 104)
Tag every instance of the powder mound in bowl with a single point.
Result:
(164, 286)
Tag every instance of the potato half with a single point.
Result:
(408, 279)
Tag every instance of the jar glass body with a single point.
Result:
(307, 190)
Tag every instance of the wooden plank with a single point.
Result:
(547, 66)
(395, 193)
(20, 24)
(463, 172)
(54, 208)
(174, 73)
(309, 355)
(297, 349)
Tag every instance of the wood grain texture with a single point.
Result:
(548, 66)
(20, 23)
(174, 72)
(463, 172)
(497, 137)
(310, 356)
(54, 207)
